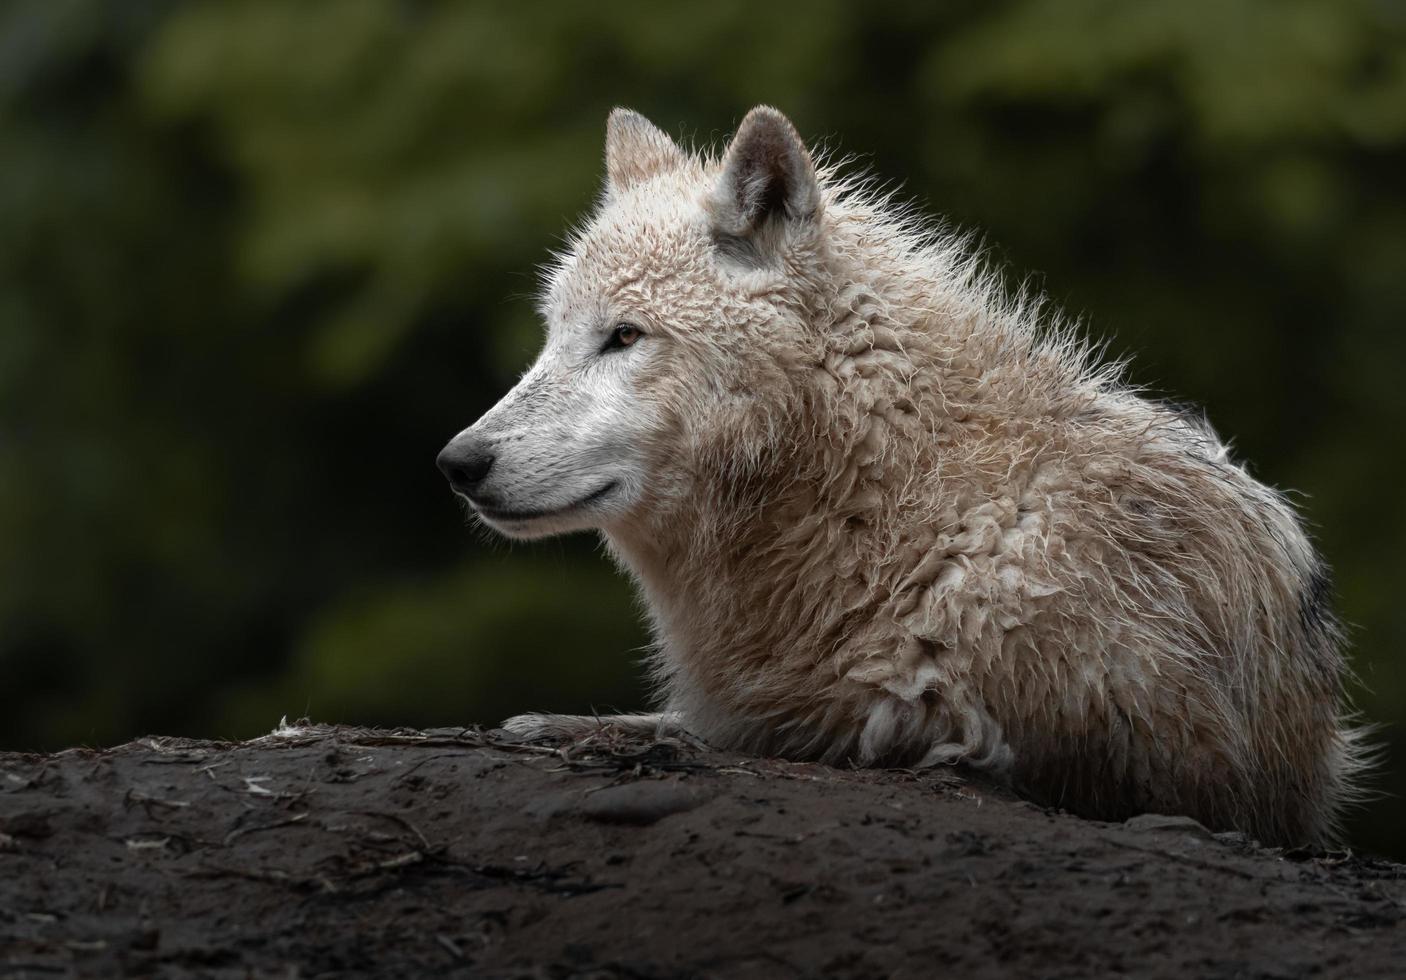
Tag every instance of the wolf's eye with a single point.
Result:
(623, 335)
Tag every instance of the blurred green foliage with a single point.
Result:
(258, 260)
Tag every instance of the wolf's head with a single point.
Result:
(677, 322)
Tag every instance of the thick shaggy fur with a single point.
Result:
(883, 514)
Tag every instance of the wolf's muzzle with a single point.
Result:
(465, 462)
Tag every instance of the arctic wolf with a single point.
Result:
(882, 513)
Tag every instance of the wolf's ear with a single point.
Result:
(768, 180)
(636, 149)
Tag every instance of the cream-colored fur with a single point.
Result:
(883, 514)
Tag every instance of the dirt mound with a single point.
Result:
(321, 852)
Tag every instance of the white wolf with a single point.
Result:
(883, 514)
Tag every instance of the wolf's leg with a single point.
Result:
(663, 724)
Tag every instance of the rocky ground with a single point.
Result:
(326, 852)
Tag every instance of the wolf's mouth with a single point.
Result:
(504, 514)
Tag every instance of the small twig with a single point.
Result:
(241, 831)
(209, 770)
(449, 945)
(146, 845)
(396, 819)
(252, 785)
(400, 861)
(137, 796)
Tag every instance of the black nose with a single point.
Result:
(466, 463)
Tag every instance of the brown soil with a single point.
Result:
(322, 852)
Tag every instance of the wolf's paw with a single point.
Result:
(573, 728)
(549, 727)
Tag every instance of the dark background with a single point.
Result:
(259, 260)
